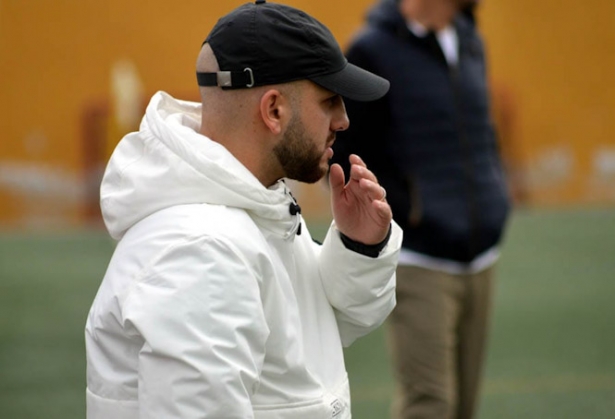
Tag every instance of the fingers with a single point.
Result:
(359, 171)
(374, 191)
(336, 179)
(355, 159)
(383, 209)
(366, 179)
(359, 207)
(384, 194)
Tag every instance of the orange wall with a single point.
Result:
(551, 64)
(555, 59)
(56, 62)
(50, 66)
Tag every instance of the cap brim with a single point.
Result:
(354, 83)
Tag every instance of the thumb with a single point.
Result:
(336, 179)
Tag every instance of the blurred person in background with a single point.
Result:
(431, 143)
(217, 303)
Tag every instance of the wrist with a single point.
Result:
(370, 250)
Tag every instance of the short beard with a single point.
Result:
(298, 155)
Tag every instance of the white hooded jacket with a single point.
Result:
(213, 306)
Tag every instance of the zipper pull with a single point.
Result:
(294, 209)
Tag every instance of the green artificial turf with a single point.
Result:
(551, 353)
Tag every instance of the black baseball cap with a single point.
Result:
(262, 43)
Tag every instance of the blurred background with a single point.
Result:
(76, 75)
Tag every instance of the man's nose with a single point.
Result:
(341, 121)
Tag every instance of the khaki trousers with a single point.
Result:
(437, 334)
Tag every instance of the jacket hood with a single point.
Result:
(168, 163)
(385, 14)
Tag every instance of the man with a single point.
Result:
(431, 143)
(217, 303)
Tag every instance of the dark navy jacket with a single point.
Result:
(430, 140)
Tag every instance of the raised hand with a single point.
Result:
(359, 207)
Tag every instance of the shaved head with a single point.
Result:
(237, 119)
(231, 107)
(221, 103)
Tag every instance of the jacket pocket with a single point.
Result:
(312, 409)
(335, 404)
(102, 408)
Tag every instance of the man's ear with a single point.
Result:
(275, 111)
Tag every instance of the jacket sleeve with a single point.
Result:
(199, 314)
(361, 289)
